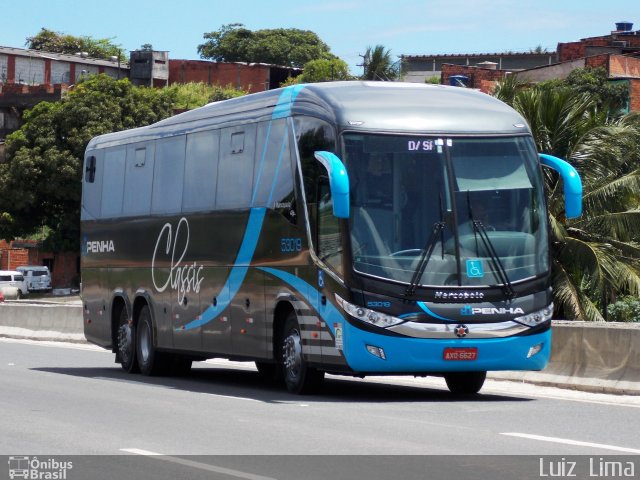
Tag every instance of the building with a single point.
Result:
(28, 77)
(64, 267)
(618, 53)
(252, 77)
(418, 68)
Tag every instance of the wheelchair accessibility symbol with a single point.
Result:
(474, 268)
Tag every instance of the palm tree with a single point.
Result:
(379, 65)
(596, 258)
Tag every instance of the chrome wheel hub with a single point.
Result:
(292, 354)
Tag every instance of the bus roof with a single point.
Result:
(362, 106)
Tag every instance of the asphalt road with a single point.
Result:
(65, 399)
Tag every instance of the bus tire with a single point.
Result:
(150, 362)
(126, 342)
(465, 383)
(299, 377)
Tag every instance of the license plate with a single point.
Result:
(464, 354)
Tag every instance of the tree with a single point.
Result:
(607, 95)
(40, 181)
(57, 42)
(322, 70)
(193, 95)
(596, 258)
(287, 47)
(378, 64)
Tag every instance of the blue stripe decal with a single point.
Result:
(329, 313)
(426, 309)
(287, 97)
(254, 224)
(239, 270)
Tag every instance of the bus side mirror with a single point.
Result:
(338, 182)
(572, 184)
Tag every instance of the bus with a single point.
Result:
(350, 228)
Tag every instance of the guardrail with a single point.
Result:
(596, 357)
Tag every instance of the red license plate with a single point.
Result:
(465, 354)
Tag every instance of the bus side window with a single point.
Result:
(113, 183)
(92, 188)
(201, 171)
(313, 135)
(168, 175)
(236, 168)
(329, 244)
(138, 179)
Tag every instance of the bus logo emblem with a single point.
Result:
(461, 331)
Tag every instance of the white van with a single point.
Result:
(13, 281)
(37, 277)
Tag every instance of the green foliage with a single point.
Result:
(435, 80)
(287, 47)
(58, 42)
(379, 65)
(321, 70)
(193, 95)
(625, 310)
(608, 95)
(597, 256)
(40, 181)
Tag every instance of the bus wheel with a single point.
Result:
(298, 376)
(126, 343)
(149, 361)
(465, 383)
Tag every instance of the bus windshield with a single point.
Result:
(439, 211)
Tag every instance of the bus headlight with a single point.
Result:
(368, 316)
(536, 318)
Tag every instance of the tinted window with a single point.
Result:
(236, 169)
(92, 190)
(168, 175)
(313, 135)
(113, 183)
(329, 245)
(200, 171)
(138, 179)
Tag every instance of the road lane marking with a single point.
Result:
(198, 465)
(567, 441)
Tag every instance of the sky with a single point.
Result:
(406, 27)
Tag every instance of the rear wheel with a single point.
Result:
(125, 337)
(150, 361)
(465, 383)
(299, 377)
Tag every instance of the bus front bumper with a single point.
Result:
(369, 352)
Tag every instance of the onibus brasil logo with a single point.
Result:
(38, 469)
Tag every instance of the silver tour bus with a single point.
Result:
(350, 228)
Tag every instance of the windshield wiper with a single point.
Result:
(501, 273)
(427, 251)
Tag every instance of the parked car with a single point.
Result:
(37, 277)
(10, 279)
(1, 297)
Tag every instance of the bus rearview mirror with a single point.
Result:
(571, 181)
(338, 182)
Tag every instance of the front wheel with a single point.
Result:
(465, 383)
(299, 377)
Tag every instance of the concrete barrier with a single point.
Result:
(42, 322)
(595, 357)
